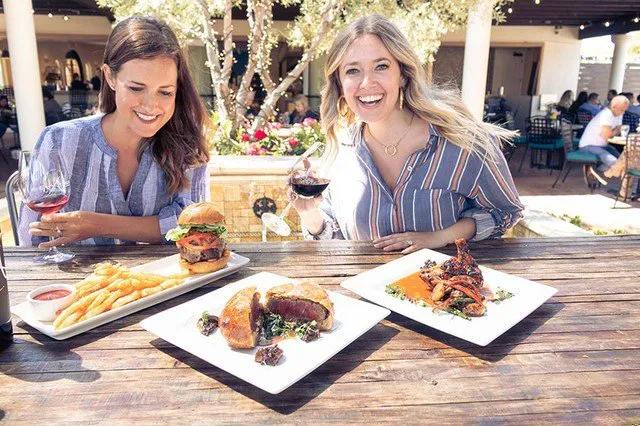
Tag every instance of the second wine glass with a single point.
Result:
(44, 187)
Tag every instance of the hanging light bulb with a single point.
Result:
(582, 27)
(66, 18)
(510, 10)
(50, 15)
(537, 1)
(636, 19)
(606, 24)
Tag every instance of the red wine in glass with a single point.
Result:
(309, 187)
(48, 205)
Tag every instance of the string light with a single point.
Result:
(582, 27)
(537, 2)
(50, 15)
(636, 19)
(66, 18)
(510, 10)
(606, 24)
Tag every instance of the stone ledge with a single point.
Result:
(230, 165)
(545, 225)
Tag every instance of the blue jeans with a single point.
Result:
(607, 155)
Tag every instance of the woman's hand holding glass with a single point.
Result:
(66, 228)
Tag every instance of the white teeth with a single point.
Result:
(372, 98)
(146, 117)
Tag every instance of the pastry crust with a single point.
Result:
(305, 291)
(240, 319)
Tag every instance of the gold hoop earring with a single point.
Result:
(343, 109)
(401, 99)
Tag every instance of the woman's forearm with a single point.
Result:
(464, 228)
(313, 221)
(145, 229)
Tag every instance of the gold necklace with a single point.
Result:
(392, 149)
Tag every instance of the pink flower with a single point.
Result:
(259, 135)
(246, 137)
(309, 121)
(293, 142)
(263, 151)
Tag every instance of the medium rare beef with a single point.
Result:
(297, 309)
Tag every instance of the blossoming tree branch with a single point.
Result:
(318, 21)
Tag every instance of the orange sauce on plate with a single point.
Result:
(414, 288)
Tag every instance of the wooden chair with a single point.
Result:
(571, 156)
(632, 166)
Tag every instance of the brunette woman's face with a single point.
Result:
(145, 93)
(370, 79)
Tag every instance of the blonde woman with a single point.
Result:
(412, 169)
(565, 101)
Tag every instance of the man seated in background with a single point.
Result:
(594, 140)
(52, 109)
(633, 108)
(76, 83)
(610, 95)
(592, 105)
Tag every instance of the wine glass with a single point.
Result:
(45, 190)
(307, 183)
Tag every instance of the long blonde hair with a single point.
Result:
(442, 108)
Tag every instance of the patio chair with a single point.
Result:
(542, 137)
(571, 156)
(584, 117)
(79, 99)
(632, 166)
(631, 120)
(11, 187)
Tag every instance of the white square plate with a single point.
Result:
(178, 326)
(165, 266)
(527, 296)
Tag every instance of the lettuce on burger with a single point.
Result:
(200, 237)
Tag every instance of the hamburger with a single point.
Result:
(200, 237)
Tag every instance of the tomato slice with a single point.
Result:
(199, 241)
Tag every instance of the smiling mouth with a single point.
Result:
(146, 118)
(370, 100)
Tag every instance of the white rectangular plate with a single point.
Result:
(178, 326)
(527, 296)
(165, 266)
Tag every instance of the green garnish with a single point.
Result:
(502, 295)
(457, 312)
(180, 231)
(274, 325)
(205, 316)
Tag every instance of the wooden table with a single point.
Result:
(617, 140)
(575, 359)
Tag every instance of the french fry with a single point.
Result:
(104, 306)
(70, 320)
(79, 306)
(102, 295)
(126, 299)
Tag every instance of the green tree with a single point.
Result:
(424, 22)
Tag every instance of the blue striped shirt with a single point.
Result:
(438, 185)
(90, 163)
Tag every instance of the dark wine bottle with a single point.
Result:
(6, 329)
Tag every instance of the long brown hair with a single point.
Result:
(180, 143)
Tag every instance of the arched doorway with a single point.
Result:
(72, 65)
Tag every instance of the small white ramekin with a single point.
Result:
(46, 310)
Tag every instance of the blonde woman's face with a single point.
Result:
(370, 79)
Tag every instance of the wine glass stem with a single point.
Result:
(52, 250)
(286, 210)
